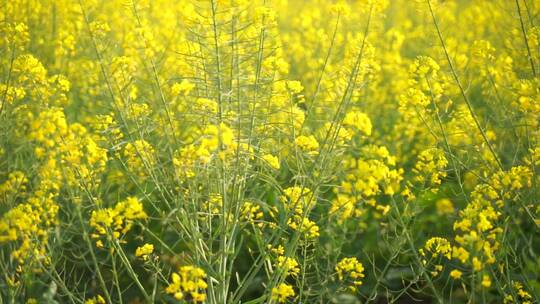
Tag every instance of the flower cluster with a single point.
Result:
(298, 202)
(188, 284)
(117, 221)
(288, 265)
(282, 292)
(140, 157)
(144, 251)
(350, 270)
(430, 167)
(366, 179)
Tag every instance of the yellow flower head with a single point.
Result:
(349, 269)
(282, 292)
(144, 251)
(189, 281)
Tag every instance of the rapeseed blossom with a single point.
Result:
(318, 151)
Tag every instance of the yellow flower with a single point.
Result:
(140, 157)
(182, 88)
(15, 184)
(359, 121)
(341, 8)
(430, 166)
(456, 274)
(272, 160)
(424, 65)
(522, 295)
(350, 269)
(118, 220)
(304, 225)
(307, 144)
(477, 264)
(188, 280)
(288, 265)
(444, 206)
(486, 281)
(439, 246)
(95, 300)
(282, 292)
(295, 86)
(144, 251)
(251, 212)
